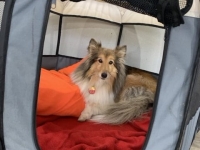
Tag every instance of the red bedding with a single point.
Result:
(66, 133)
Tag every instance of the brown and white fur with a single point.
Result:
(120, 95)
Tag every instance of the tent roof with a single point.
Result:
(110, 12)
(103, 10)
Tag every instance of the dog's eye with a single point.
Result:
(111, 62)
(100, 60)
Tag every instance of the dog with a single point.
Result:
(113, 94)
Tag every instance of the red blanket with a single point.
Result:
(64, 133)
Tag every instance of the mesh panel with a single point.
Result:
(1, 11)
(141, 6)
(182, 4)
(166, 12)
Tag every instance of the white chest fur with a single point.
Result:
(102, 96)
(97, 103)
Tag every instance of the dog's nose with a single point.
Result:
(104, 75)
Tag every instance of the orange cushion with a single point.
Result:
(58, 95)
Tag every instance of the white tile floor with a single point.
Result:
(196, 142)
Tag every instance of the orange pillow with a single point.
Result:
(58, 95)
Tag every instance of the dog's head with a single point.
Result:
(104, 64)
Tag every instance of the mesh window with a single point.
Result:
(141, 6)
(1, 11)
(182, 4)
(167, 12)
(148, 7)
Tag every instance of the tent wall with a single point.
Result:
(192, 110)
(174, 85)
(24, 51)
(198, 125)
(21, 75)
(178, 68)
(144, 42)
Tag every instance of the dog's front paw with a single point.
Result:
(84, 117)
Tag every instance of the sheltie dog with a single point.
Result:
(113, 94)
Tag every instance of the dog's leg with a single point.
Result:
(86, 113)
(91, 109)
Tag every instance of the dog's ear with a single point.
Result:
(121, 51)
(93, 46)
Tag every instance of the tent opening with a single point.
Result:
(60, 102)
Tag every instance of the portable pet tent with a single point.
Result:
(171, 52)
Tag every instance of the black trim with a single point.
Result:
(142, 24)
(155, 105)
(45, 22)
(85, 17)
(4, 36)
(120, 35)
(198, 124)
(59, 55)
(49, 55)
(58, 62)
(59, 37)
(152, 25)
(191, 99)
(59, 34)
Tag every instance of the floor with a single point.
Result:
(196, 142)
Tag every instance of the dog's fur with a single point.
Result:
(120, 95)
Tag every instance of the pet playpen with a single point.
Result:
(168, 48)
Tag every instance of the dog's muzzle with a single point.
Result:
(104, 75)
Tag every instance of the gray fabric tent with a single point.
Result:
(22, 37)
